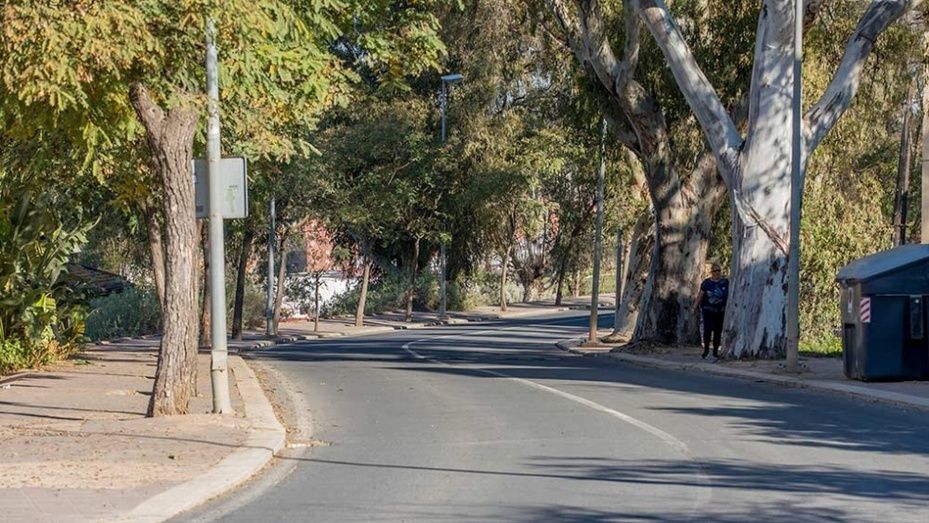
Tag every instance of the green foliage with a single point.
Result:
(386, 294)
(133, 312)
(15, 354)
(39, 316)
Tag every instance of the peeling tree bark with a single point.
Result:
(683, 207)
(170, 135)
(757, 169)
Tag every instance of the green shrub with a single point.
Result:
(133, 312)
(384, 294)
(40, 318)
(14, 354)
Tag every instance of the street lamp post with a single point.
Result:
(443, 102)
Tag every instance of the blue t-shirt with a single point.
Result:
(715, 294)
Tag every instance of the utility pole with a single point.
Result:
(598, 240)
(924, 204)
(443, 103)
(219, 375)
(796, 194)
(904, 163)
(269, 307)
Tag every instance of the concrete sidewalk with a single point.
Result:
(77, 446)
(817, 373)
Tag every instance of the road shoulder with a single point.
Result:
(819, 373)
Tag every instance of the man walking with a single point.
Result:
(712, 298)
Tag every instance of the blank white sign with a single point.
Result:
(233, 175)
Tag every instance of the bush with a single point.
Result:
(133, 312)
(387, 293)
(253, 307)
(40, 317)
(14, 354)
(481, 289)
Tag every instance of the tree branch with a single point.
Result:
(633, 36)
(149, 112)
(822, 117)
(720, 131)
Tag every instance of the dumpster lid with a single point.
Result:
(883, 262)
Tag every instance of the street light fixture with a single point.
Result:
(443, 103)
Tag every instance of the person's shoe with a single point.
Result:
(705, 352)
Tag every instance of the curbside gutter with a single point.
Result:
(265, 438)
(572, 346)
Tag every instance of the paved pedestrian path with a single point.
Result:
(78, 447)
(819, 373)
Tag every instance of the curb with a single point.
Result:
(852, 390)
(265, 438)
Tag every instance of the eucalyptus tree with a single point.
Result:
(684, 189)
(755, 165)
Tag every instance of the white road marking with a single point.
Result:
(704, 493)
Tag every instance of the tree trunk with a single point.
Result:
(638, 261)
(281, 283)
(411, 291)
(902, 199)
(170, 140)
(206, 338)
(153, 224)
(622, 265)
(248, 241)
(363, 295)
(503, 267)
(559, 289)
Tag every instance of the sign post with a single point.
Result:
(219, 375)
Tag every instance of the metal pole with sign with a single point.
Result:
(219, 375)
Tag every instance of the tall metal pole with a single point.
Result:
(219, 376)
(796, 194)
(442, 303)
(598, 240)
(924, 201)
(269, 306)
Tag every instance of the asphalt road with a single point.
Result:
(491, 422)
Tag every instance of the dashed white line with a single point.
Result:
(704, 493)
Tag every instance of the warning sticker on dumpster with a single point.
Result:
(864, 309)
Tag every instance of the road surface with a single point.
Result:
(491, 422)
